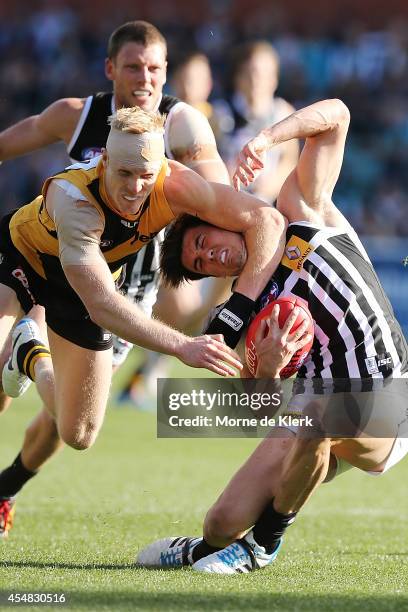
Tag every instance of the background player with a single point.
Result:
(251, 106)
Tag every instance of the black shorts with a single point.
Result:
(65, 313)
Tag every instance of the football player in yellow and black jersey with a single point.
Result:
(136, 65)
(71, 242)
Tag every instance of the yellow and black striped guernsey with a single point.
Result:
(34, 235)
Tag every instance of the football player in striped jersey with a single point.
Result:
(358, 345)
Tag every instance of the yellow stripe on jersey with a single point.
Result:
(117, 273)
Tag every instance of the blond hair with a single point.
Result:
(136, 120)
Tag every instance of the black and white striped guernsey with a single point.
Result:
(92, 129)
(356, 334)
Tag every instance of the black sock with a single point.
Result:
(203, 549)
(271, 526)
(13, 478)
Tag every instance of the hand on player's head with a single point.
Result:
(250, 161)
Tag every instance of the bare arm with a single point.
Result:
(79, 227)
(111, 310)
(263, 227)
(192, 143)
(56, 122)
(324, 126)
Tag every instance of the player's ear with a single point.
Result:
(104, 157)
(109, 69)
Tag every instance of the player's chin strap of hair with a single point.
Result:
(231, 318)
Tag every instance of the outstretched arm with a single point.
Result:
(111, 310)
(56, 122)
(79, 227)
(324, 127)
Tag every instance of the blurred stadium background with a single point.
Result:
(357, 51)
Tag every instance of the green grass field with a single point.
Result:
(80, 523)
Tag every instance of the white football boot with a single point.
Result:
(15, 383)
(240, 557)
(168, 553)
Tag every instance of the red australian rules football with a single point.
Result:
(286, 305)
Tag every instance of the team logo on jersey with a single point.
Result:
(90, 153)
(104, 244)
(20, 276)
(129, 224)
(379, 363)
(143, 237)
(293, 252)
(268, 295)
(296, 252)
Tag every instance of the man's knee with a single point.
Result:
(81, 437)
(220, 523)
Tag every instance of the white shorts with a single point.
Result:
(398, 452)
(382, 414)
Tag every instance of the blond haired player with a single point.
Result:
(136, 65)
(70, 241)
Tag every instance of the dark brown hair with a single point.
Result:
(141, 32)
(172, 270)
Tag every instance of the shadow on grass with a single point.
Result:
(135, 600)
(131, 566)
(68, 566)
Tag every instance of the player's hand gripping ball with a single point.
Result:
(286, 305)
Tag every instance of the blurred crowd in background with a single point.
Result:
(57, 49)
